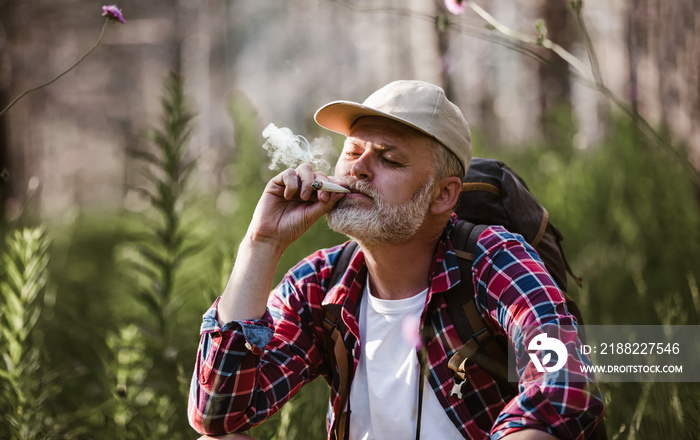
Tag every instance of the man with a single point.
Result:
(406, 152)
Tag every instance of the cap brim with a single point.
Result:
(339, 116)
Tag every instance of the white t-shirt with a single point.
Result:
(384, 392)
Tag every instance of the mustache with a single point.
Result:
(365, 188)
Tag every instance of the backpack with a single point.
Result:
(492, 194)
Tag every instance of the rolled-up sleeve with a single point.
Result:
(517, 298)
(245, 371)
(226, 359)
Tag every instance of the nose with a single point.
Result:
(362, 167)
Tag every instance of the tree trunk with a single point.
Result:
(555, 86)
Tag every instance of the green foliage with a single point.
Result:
(76, 325)
(163, 244)
(139, 410)
(150, 380)
(22, 288)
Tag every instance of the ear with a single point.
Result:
(448, 190)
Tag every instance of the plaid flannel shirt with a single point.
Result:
(245, 371)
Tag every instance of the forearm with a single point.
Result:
(245, 296)
(244, 374)
(225, 375)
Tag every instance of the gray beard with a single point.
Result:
(381, 224)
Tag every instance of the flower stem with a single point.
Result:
(549, 44)
(592, 77)
(57, 77)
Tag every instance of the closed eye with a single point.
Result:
(390, 162)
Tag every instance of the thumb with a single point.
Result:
(326, 202)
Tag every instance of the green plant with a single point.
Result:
(139, 410)
(154, 259)
(22, 287)
(162, 242)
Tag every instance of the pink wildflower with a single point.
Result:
(113, 12)
(456, 7)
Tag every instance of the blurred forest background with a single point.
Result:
(126, 185)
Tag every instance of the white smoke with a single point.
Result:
(290, 150)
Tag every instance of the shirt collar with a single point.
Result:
(445, 269)
(444, 273)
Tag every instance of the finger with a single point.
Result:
(327, 201)
(290, 181)
(306, 177)
(321, 175)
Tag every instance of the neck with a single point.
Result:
(401, 270)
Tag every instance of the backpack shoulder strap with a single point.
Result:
(341, 360)
(481, 346)
(338, 355)
(464, 237)
(342, 263)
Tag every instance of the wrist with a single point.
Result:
(262, 247)
(245, 295)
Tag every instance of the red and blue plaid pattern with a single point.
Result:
(246, 371)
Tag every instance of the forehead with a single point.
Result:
(387, 133)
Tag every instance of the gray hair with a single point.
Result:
(446, 163)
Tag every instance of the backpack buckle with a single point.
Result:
(458, 361)
(457, 388)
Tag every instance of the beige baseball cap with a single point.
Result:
(417, 104)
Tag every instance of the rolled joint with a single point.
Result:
(320, 185)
